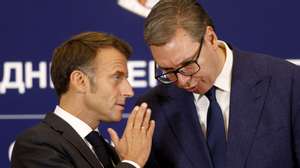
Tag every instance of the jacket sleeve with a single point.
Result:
(296, 115)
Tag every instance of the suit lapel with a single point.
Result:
(72, 137)
(248, 93)
(182, 116)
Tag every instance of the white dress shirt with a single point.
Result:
(223, 85)
(82, 129)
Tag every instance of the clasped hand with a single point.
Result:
(135, 144)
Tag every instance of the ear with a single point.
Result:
(79, 82)
(210, 37)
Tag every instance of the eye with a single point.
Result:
(117, 76)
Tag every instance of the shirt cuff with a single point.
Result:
(132, 163)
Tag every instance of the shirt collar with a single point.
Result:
(223, 81)
(78, 125)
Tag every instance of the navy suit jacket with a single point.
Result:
(264, 126)
(54, 143)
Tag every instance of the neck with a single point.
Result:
(74, 106)
(222, 57)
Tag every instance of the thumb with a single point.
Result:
(113, 136)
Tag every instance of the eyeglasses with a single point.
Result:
(187, 69)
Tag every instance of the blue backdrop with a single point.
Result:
(31, 29)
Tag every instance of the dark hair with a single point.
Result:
(78, 53)
(168, 15)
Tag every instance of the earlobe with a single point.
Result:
(78, 81)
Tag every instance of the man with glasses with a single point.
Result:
(217, 106)
(188, 68)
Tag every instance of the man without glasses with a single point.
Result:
(89, 73)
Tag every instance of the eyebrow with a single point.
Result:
(183, 62)
(121, 73)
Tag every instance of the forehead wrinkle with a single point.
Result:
(179, 59)
(113, 66)
(119, 66)
(179, 48)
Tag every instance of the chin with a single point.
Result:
(117, 116)
(114, 119)
(117, 119)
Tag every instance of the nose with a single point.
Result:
(126, 89)
(182, 80)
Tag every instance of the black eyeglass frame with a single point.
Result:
(166, 81)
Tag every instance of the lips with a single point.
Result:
(121, 106)
(190, 89)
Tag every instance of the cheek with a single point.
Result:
(201, 76)
(204, 78)
(207, 72)
(113, 95)
(105, 93)
(110, 95)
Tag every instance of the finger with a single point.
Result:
(113, 136)
(143, 130)
(140, 116)
(147, 118)
(131, 119)
(151, 129)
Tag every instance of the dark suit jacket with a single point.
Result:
(264, 126)
(54, 143)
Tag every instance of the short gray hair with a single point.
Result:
(168, 15)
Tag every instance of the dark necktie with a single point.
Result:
(215, 130)
(100, 148)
